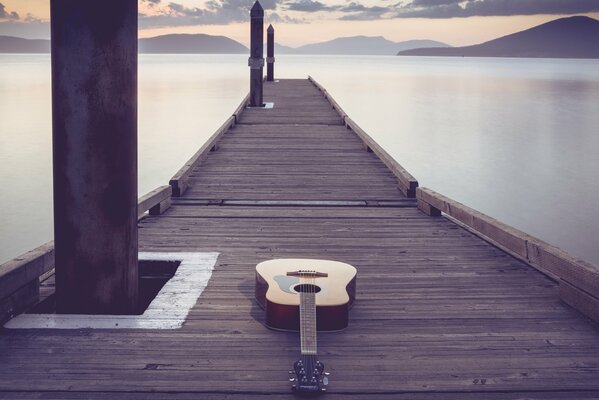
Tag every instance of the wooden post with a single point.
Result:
(270, 53)
(256, 60)
(94, 128)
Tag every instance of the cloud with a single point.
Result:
(29, 27)
(470, 8)
(276, 18)
(429, 3)
(172, 13)
(351, 11)
(357, 11)
(434, 9)
(6, 15)
(308, 6)
(215, 12)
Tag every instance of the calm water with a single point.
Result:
(516, 139)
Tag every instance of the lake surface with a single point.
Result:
(517, 139)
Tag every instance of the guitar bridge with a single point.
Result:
(308, 274)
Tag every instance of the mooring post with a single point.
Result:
(256, 60)
(94, 131)
(270, 53)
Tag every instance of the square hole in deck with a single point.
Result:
(153, 275)
(171, 283)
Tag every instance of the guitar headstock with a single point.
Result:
(308, 376)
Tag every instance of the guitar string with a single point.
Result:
(308, 322)
(314, 322)
(313, 313)
(302, 309)
(305, 312)
(309, 326)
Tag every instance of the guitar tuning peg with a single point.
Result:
(291, 379)
(327, 373)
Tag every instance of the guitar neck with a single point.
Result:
(308, 323)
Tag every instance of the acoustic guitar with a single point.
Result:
(307, 296)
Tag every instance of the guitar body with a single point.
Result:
(278, 290)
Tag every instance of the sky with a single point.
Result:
(298, 22)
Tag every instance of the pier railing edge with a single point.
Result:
(407, 183)
(179, 180)
(578, 279)
(20, 277)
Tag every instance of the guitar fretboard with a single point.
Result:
(308, 322)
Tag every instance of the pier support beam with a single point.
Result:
(270, 53)
(256, 60)
(94, 125)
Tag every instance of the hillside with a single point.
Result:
(361, 45)
(11, 44)
(166, 44)
(207, 44)
(191, 44)
(572, 37)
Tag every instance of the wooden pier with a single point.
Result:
(452, 307)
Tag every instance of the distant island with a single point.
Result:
(191, 44)
(208, 44)
(359, 45)
(571, 37)
(11, 44)
(165, 44)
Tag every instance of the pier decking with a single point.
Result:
(440, 313)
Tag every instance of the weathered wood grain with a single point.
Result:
(156, 202)
(579, 279)
(21, 270)
(440, 313)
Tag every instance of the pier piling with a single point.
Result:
(270, 54)
(94, 125)
(256, 60)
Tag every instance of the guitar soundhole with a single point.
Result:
(306, 288)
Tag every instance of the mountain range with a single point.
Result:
(571, 37)
(207, 44)
(191, 44)
(165, 44)
(10, 44)
(358, 45)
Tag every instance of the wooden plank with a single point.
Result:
(428, 209)
(500, 233)
(179, 180)
(19, 300)
(407, 182)
(19, 271)
(577, 272)
(330, 98)
(547, 258)
(455, 395)
(156, 201)
(580, 300)
(440, 313)
(241, 107)
(579, 275)
(25, 271)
